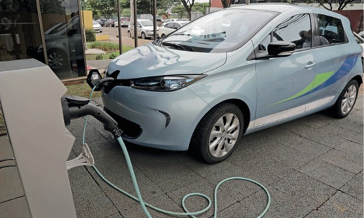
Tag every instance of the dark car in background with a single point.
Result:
(101, 22)
(110, 23)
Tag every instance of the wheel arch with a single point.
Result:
(358, 78)
(242, 105)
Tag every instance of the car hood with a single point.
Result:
(152, 60)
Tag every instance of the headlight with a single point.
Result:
(165, 83)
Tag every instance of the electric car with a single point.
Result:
(231, 73)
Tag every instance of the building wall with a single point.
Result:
(355, 17)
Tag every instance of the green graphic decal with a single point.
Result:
(319, 79)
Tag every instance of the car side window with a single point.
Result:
(296, 29)
(177, 26)
(169, 25)
(330, 31)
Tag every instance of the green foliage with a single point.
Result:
(112, 56)
(125, 12)
(106, 8)
(144, 6)
(200, 7)
(90, 35)
(180, 10)
(99, 57)
(105, 46)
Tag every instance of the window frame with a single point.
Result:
(271, 34)
(316, 31)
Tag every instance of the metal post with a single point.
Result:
(155, 19)
(135, 24)
(42, 32)
(119, 29)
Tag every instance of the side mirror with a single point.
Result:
(93, 78)
(281, 48)
(139, 26)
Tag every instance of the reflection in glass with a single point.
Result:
(19, 29)
(2, 122)
(62, 32)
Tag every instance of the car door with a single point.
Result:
(140, 29)
(284, 81)
(336, 58)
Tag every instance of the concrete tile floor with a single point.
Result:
(313, 167)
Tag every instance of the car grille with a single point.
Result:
(131, 130)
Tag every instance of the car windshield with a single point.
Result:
(221, 31)
(94, 22)
(146, 23)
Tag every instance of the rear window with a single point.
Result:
(331, 29)
(221, 31)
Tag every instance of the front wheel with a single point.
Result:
(346, 101)
(143, 35)
(218, 133)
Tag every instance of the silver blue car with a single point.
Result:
(231, 73)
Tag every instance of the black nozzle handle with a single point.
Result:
(89, 109)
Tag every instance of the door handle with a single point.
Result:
(309, 65)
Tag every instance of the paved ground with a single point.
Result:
(126, 40)
(312, 167)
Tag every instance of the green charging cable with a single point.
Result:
(186, 213)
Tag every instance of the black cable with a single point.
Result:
(3, 160)
(5, 166)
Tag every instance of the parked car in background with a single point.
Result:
(124, 21)
(360, 41)
(97, 27)
(169, 27)
(101, 21)
(247, 68)
(109, 23)
(145, 29)
(361, 34)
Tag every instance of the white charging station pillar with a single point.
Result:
(30, 96)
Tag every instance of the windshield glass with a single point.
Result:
(221, 31)
(146, 23)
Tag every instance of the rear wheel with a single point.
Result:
(218, 133)
(346, 101)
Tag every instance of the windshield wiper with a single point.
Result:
(178, 46)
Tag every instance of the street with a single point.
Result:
(126, 40)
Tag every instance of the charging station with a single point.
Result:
(36, 131)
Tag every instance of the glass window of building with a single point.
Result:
(23, 26)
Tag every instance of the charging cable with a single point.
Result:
(186, 213)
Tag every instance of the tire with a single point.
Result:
(162, 36)
(129, 34)
(57, 59)
(143, 35)
(210, 141)
(346, 101)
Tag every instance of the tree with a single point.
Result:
(188, 4)
(201, 7)
(341, 4)
(99, 8)
(226, 3)
(180, 10)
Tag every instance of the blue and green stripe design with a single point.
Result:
(323, 80)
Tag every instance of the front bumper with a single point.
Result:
(167, 120)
